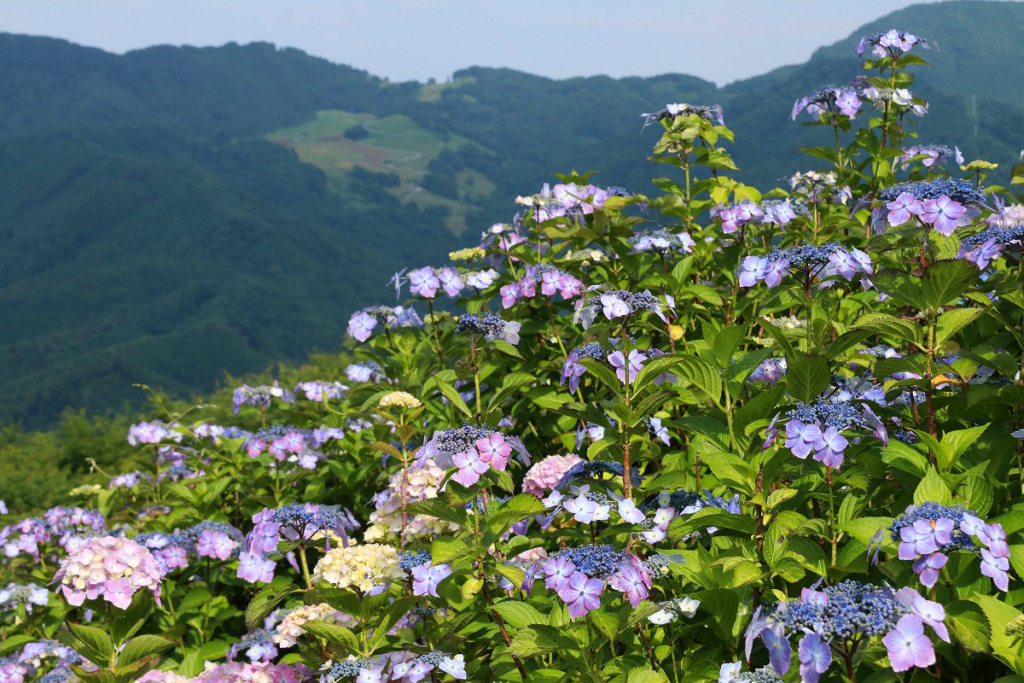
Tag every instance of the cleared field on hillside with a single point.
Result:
(393, 144)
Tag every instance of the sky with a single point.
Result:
(721, 41)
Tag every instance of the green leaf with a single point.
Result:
(333, 633)
(807, 376)
(932, 489)
(779, 335)
(701, 374)
(445, 548)
(864, 529)
(509, 385)
(603, 373)
(891, 326)
(127, 622)
(646, 676)
(438, 508)
(388, 618)
(945, 281)
(92, 643)
(968, 625)
(951, 322)
(264, 602)
(519, 614)
(142, 646)
(452, 395)
(539, 640)
(195, 662)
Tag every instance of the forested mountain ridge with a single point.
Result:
(160, 223)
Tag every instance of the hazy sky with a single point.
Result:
(420, 39)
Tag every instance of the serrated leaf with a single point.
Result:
(951, 322)
(452, 395)
(967, 622)
(519, 614)
(333, 633)
(264, 602)
(945, 281)
(807, 376)
(932, 489)
(142, 646)
(891, 326)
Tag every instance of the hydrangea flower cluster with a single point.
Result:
(671, 111)
(926, 533)
(933, 154)
(616, 304)
(769, 212)
(839, 618)
(64, 526)
(152, 432)
(260, 397)
(16, 595)
(366, 371)
(545, 474)
(257, 645)
(891, 44)
(320, 391)
(770, 370)
(808, 262)
(108, 567)
(424, 282)
(580, 575)
(570, 200)
(817, 186)
(367, 567)
(234, 672)
(290, 444)
(817, 429)
(679, 608)
(472, 449)
(421, 483)
(986, 246)
(363, 322)
(900, 101)
(289, 631)
(661, 241)
(734, 673)
(396, 666)
(552, 281)
(829, 99)
(490, 326)
(943, 204)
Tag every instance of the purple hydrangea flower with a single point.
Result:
(581, 594)
(908, 646)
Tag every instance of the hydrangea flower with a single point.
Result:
(363, 567)
(490, 326)
(546, 473)
(830, 99)
(367, 371)
(942, 203)
(817, 428)
(844, 615)
(933, 154)
(616, 304)
(425, 578)
(986, 246)
(109, 568)
(807, 262)
(889, 44)
(928, 532)
(627, 365)
(671, 111)
(662, 241)
(671, 610)
(260, 397)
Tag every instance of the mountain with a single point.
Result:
(174, 214)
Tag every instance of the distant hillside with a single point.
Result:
(175, 213)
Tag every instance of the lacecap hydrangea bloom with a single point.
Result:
(364, 567)
(926, 533)
(109, 568)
